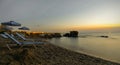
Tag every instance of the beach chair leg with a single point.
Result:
(8, 47)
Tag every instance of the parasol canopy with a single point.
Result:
(24, 28)
(11, 23)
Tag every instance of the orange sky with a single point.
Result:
(94, 27)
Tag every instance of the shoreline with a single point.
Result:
(48, 54)
(81, 52)
(92, 55)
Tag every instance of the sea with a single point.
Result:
(93, 44)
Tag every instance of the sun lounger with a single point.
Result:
(25, 39)
(20, 36)
(20, 43)
(4, 36)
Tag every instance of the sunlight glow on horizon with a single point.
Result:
(95, 27)
(83, 27)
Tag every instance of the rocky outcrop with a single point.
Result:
(56, 35)
(104, 36)
(71, 34)
(66, 35)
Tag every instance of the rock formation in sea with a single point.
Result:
(71, 34)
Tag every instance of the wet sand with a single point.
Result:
(46, 54)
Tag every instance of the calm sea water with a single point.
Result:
(92, 44)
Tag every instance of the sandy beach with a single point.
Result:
(45, 54)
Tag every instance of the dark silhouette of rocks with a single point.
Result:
(56, 35)
(52, 35)
(66, 35)
(47, 36)
(104, 36)
(71, 34)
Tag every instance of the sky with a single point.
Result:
(62, 15)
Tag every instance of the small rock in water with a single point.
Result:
(104, 36)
